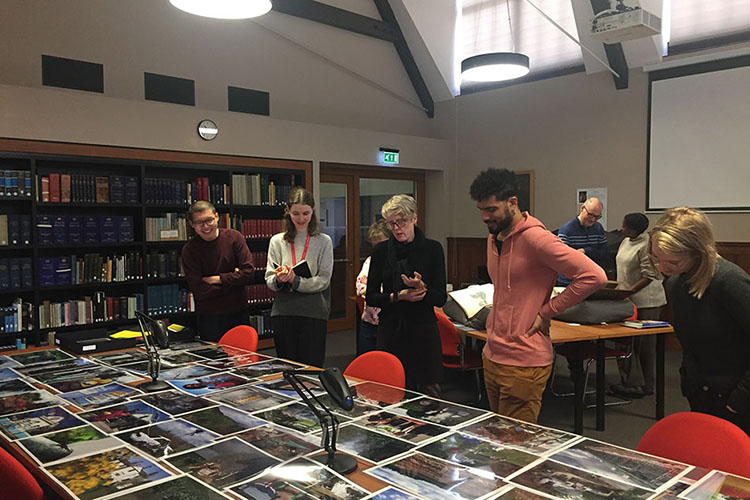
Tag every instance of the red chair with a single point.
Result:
(701, 440)
(242, 337)
(455, 354)
(16, 480)
(378, 366)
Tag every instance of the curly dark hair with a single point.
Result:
(638, 222)
(500, 182)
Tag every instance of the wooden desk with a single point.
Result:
(561, 332)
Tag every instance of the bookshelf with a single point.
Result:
(95, 232)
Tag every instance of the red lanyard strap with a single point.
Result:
(304, 252)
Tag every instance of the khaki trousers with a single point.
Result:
(515, 391)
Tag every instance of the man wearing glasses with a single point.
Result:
(586, 234)
(218, 265)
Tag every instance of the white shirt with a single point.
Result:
(633, 264)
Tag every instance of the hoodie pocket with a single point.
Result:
(501, 321)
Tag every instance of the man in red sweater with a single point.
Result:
(218, 265)
(523, 260)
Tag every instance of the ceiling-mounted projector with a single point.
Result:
(624, 23)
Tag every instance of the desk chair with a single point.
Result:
(16, 481)
(455, 354)
(242, 337)
(378, 366)
(615, 352)
(701, 440)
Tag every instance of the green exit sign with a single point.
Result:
(389, 157)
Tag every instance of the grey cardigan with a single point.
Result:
(308, 297)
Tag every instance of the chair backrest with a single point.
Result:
(16, 481)
(242, 337)
(701, 440)
(378, 366)
(449, 337)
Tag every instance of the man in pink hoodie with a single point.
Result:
(523, 260)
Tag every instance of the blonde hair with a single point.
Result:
(686, 231)
(400, 204)
(378, 230)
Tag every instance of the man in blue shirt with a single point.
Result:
(586, 234)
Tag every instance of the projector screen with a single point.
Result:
(699, 136)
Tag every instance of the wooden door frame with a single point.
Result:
(353, 173)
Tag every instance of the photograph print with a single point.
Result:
(68, 444)
(102, 395)
(106, 473)
(720, 486)
(14, 386)
(167, 438)
(370, 445)
(281, 386)
(267, 368)
(235, 361)
(646, 471)
(568, 483)
(208, 384)
(223, 463)
(175, 402)
(35, 422)
(374, 394)
(180, 488)
(223, 420)
(523, 436)
(217, 352)
(6, 362)
(295, 416)
(282, 444)
(437, 412)
(478, 454)
(432, 478)
(391, 493)
(36, 357)
(25, 401)
(124, 416)
(8, 374)
(186, 372)
(121, 358)
(412, 430)
(249, 398)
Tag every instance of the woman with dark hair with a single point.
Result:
(636, 273)
(709, 298)
(407, 281)
(301, 306)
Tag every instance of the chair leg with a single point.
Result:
(480, 390)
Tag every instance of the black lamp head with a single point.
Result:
(335, 385)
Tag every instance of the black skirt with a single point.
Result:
(416, 345)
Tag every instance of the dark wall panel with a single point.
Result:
(248, 101)
(72, 74)
(169, 89)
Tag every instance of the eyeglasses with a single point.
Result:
(594, 216)
(205, 222)
(399, 223)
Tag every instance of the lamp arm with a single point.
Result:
(329, 426)
(154, 362)
(573, 38)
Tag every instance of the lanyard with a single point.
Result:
(304, 252)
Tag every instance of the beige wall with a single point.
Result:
(574, 131)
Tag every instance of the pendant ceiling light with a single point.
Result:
(224, 9)
(494, 66)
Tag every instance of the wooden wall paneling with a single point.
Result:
(737, 252)
(465, 255)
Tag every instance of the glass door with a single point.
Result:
(336, 213)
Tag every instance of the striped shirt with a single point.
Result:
(592, 239)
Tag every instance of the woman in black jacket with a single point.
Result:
(407, 281)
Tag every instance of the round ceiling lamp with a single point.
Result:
(494, 67)
(224, 9)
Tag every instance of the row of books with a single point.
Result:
(89, 268)
(16, 273)
(178, 191)
(164, 264)
(15, 229)
(15, 183)
(66, 229)
(168, 299)
(259, 189)
(95, 308)
(256, 228)
(168, 227)
(259, 295)
(17, 317)
(75, 188)
(262, 323)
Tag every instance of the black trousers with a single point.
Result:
(711, 400)
(212, 327)
(300, 339)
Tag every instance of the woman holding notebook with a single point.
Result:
(299, 267)
(709, 297)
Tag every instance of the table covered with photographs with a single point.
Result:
(230, 427)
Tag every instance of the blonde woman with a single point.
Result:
(368, 327)
(710, 298)
(407, 281)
